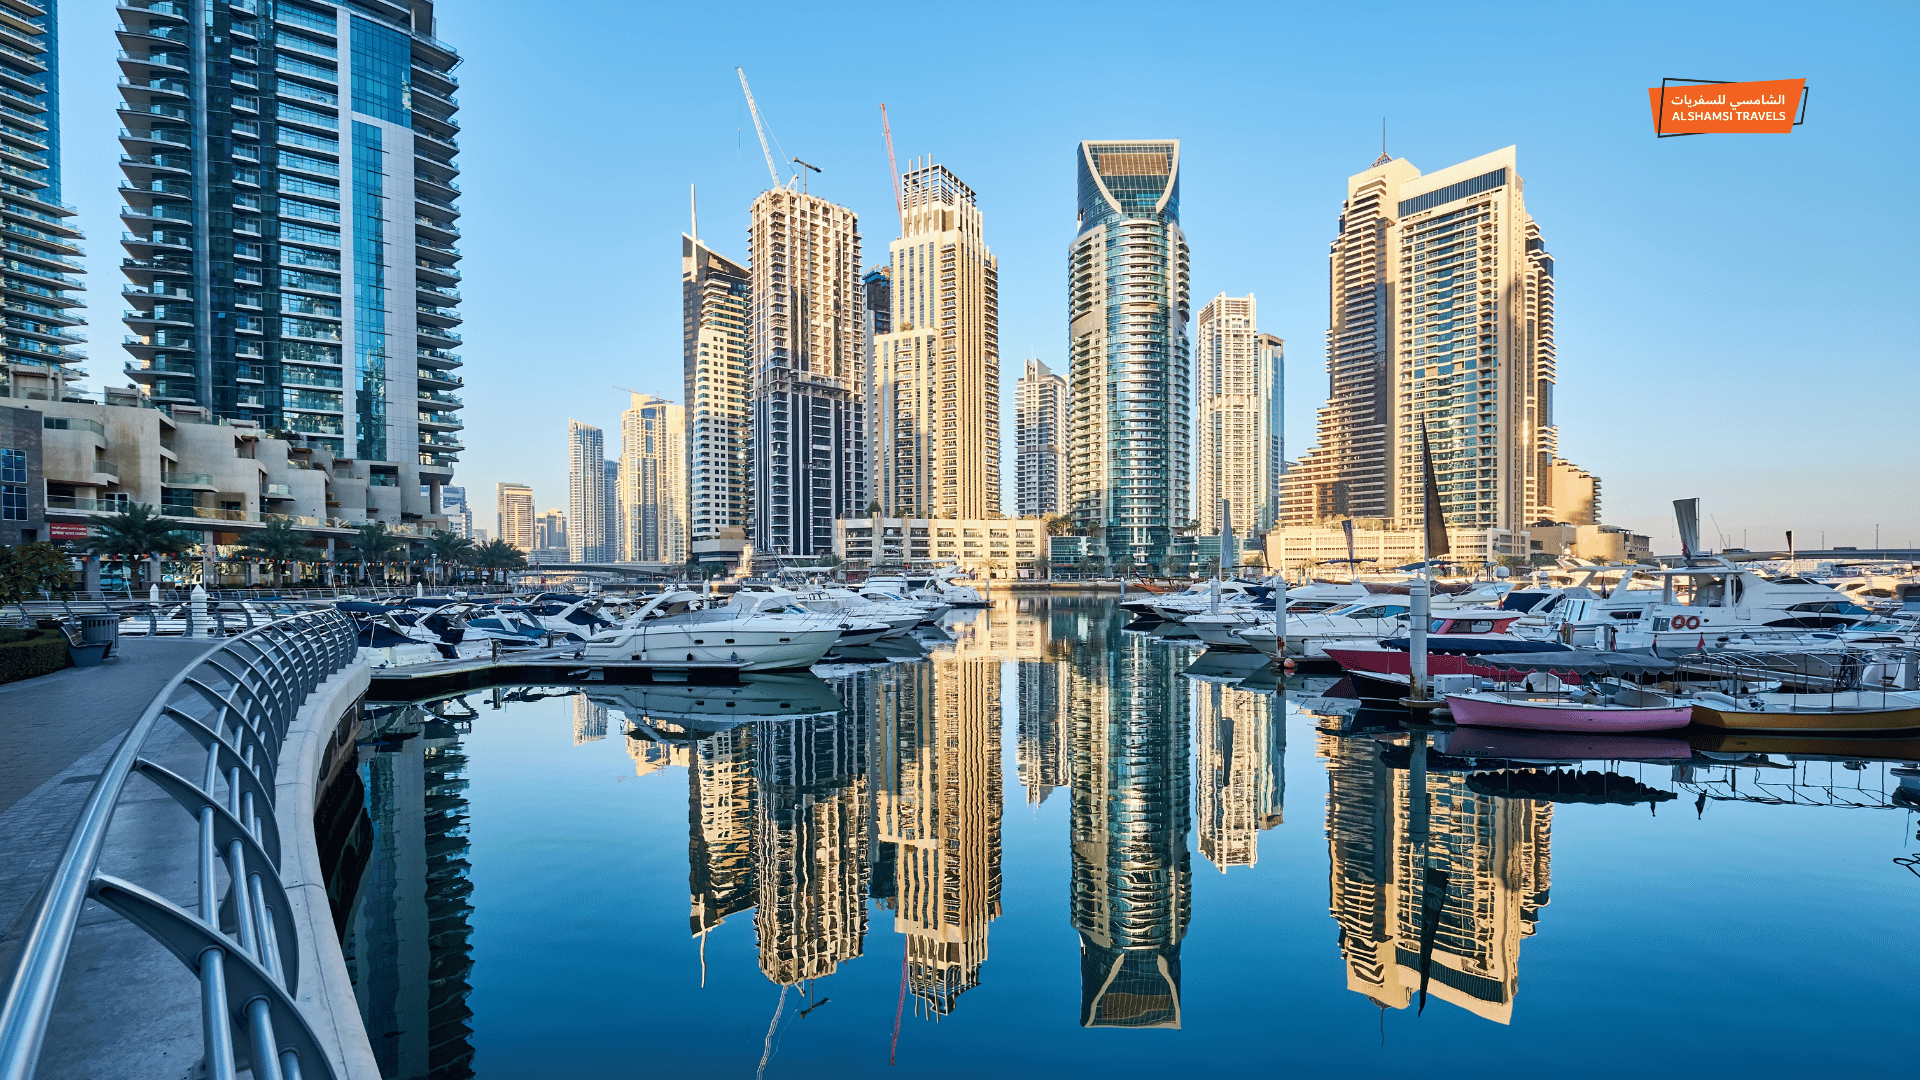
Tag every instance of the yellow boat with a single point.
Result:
(1847, 711)
(1864, 747)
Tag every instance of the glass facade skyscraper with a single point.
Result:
(36, 351)
(290, 186)
(1130, 369)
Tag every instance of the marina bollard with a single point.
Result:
(1417, 647)
(197, 625)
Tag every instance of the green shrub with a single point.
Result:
(27, 654)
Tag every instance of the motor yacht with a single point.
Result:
(1726, 603)
(677, 627)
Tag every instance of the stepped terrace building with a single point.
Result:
(290, 227)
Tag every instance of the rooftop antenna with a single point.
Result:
(1384, 156)
(759, 128)
(893, 169)
(693, 207)
(803, 176)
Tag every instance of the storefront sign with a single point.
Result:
(57, 530)
(1762, 108)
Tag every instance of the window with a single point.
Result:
(382, 73)
(13, 485)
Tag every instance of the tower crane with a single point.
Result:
(759, 128)
(898, 204)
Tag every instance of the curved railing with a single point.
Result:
(237, 701)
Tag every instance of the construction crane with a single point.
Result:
(899, 205)
(759, 128)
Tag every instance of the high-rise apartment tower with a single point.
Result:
(36, 348)
(713, 303)
(653, 487)
(1130, 376)
(808, 454)
(1442, 313)
(1236, 384)
(1040, 441)
(587, 510)
(290, 227)
(936, 402)
(515, 505)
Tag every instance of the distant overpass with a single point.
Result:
(1845, 554)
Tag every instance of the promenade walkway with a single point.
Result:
(56, 734)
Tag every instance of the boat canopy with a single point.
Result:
(1584, 662)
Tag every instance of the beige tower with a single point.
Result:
(1231, 390)
(515, 504)
(1442, 312)
(937, 379)
(653, 481)
(713, 301)
(808, 455)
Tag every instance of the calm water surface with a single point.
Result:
(1053, 847)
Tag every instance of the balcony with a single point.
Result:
(103, 467)
(197, 481)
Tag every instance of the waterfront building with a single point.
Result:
(1040, 442)
(1236, 385)
(1241, 747)
(586, 493)
(1441, 319)
(1430, 875)
(514, 503)
(1130, 379)
(714, 301)
(808, 449)
(876, 319)
(652, 504)
(938, 798)
(986, 547)
(550, 538)
(1132, 879)
(37, 354)
(1271, 354)
(290, 228)
(936, 396)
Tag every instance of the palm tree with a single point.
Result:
(500, 555)
(447, 547)
(374, 544)
(276, 545)
(1059, 524)
(139, 532)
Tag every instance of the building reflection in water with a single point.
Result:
(810, 838)
(1127, 713)
(720, 813)
(1242, 746)
(1432, 885)
(407, 935)
(937, 783)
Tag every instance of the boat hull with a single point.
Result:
(752, 650)
(1563, 715)
(1857, 721)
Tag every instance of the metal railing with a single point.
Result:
(248, 690)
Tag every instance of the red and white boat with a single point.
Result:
(1594, 708)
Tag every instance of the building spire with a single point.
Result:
(1384, 156)
(693, 208)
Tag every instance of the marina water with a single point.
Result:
(1053, 846)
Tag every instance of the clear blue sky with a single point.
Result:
(1729, 306)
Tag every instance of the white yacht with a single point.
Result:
(1727, 604)
(674, 627)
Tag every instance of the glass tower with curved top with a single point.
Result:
(1130, 368)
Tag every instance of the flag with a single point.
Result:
(1436, 518)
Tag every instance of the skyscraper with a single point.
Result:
(809, 435)
(1130, 375)
(515, 505)
(1040, 431)
(586, 493)
(289, 185)
(936, 403)
(1234, 378)
(714, 310)
(653, 487)
(453, 501)
(550, 534)
(1271, 354)
(1442, 313)
(614, 537)
(42, 249)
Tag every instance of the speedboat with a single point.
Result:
(1857, 711)
(1458, 643)
(675, 628)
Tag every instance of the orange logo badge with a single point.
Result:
(1763, 108)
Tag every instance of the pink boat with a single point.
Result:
(1591, 710)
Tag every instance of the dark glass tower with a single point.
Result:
(290, 228)
(37, 357)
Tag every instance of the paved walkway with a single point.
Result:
(56, 734)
